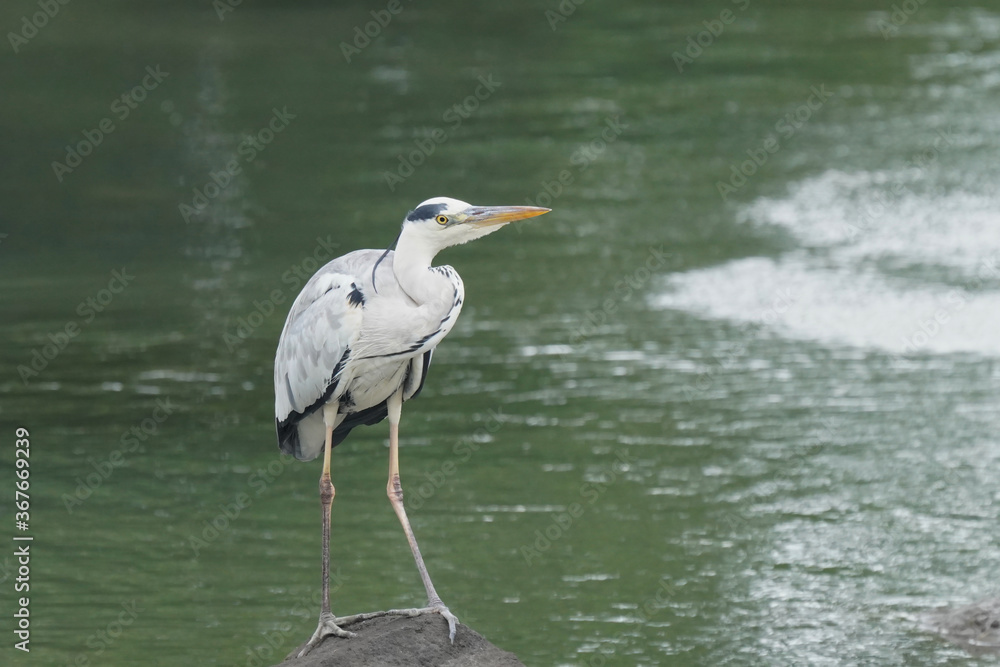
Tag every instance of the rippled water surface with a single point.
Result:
(690, 417)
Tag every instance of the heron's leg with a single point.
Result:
(327, 621)
(395, 492)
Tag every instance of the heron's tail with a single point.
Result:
(302, 438)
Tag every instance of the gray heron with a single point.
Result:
(357, 344)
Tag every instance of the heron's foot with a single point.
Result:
(432, 608)
(448, 616)
(327, 628)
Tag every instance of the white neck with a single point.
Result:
(411, 265)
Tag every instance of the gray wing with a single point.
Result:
(322, 326)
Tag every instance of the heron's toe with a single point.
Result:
(448, 616)
(327, 628)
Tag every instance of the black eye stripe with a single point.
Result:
(426, 212)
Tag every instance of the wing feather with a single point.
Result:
(318, 334)
(323, 324)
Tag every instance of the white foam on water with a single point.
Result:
(882, 264)
(791, 298)
(887, 216)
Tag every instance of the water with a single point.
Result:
(685, 429)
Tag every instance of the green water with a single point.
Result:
(670, 428)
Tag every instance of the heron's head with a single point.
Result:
(442, 222)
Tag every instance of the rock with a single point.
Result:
(398, 641)
(975, 627)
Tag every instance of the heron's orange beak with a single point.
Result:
(487, 216)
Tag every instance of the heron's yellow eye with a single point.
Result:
(442, 219)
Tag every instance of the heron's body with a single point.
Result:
(346, 344)
(358, 343)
